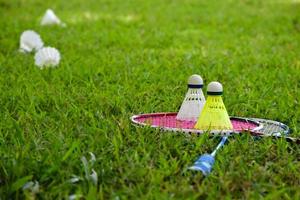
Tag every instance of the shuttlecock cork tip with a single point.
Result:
(195, 81)
(214, 88)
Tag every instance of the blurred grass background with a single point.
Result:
(121, 58)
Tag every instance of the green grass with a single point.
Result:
(120, 58)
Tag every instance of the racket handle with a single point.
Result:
(204, 164)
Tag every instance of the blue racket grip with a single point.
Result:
(204, 164)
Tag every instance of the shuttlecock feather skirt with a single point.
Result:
(214, 115)
(192, 105)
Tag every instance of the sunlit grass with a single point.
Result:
(87, 17)
(121, 58)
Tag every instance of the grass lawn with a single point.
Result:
(121, 58)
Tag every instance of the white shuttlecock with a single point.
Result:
(30, 41)
(194, 100)
(47, 57)
(50, 18)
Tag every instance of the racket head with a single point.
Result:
(167, 122)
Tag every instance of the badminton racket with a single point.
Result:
(256, 126)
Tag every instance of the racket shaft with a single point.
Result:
(223, 141)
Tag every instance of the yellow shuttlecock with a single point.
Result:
(214, 115)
